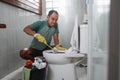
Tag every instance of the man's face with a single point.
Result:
(52, 19)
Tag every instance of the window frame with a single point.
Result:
(24, 5)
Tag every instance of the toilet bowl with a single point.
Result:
(61, 66)
(60, 57)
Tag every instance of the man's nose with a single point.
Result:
(54, 21)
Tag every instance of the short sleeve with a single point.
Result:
(35, 26)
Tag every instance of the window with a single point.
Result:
(56, 5)
(34, 6)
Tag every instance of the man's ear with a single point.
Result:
(47, 18)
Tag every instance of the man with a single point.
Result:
(42, 31)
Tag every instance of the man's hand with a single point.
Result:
(58, 47)
(40, 38)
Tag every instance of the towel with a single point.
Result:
(74, 37)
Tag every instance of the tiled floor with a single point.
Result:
(81, 74)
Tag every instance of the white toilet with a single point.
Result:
(61, 66)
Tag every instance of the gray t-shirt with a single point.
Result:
(42, 28)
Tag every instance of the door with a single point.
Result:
(103, 40)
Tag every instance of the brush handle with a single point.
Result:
(48, 46)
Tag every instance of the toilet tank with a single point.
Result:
(84, 38)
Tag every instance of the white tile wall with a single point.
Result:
(12, 38)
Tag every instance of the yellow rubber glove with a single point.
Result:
(58, 47)
(40, 38)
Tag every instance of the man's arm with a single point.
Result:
(56, 42)
(56, 39)
(29, 31)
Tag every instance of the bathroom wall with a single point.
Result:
(12, 38)
(68, 10)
